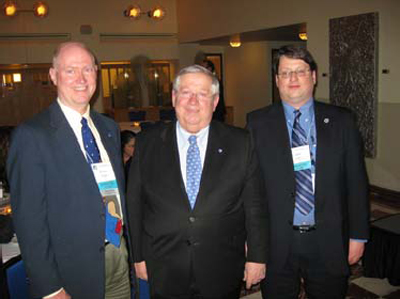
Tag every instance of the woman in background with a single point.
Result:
(128, 148)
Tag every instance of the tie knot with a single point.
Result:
(84, 122)
(297, 115)
(192, 139)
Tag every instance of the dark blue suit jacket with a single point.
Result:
(341, 185)
(57, 208)
(207, 242)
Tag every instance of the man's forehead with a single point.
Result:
(288, 61)
(195, 79)
(74, 54)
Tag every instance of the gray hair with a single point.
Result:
(197, 69)
(61, 46)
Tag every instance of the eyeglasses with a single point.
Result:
(73, 71)
(299, 73)
(185, 94)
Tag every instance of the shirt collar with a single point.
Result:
(307, 109)
(184, 135)
(74, 116)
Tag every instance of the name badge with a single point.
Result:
(301, 157)
(108, 187)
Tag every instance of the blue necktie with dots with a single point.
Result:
(193, 170)
(304, 202)
(89, 143)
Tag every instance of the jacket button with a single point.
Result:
(189, 242)
(192, 219)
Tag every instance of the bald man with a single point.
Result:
(65, 169)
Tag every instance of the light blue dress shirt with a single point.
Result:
(307, 122)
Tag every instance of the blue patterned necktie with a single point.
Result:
(89, 143)
(304, 202)
(193, 170)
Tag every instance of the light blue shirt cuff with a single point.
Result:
(360, 240)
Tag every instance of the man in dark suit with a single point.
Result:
(68, 228)
(194, 200)
(316, 185)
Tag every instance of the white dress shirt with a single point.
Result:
(182, 137)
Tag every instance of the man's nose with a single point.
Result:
(293, 76)
(193, 97)
(81, 76)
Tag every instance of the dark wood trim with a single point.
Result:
(385, 196)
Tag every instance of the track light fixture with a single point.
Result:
(135, 12)
(11, 9)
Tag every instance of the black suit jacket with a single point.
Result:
(342, 209)
(210, 239)
(57, 207)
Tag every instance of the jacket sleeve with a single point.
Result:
(255, 207)
(27, 175)
(134, 205)
(356, 182)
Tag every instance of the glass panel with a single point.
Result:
(138, 85)
(105, 82)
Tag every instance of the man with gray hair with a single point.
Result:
(195, 200)
(66, 177)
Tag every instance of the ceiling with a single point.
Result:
(285, 33)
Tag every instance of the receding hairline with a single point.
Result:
(58, 51)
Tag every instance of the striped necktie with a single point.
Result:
(304, 202)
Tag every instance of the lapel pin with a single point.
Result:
(326, 120)
(109, 135)
(220, 151)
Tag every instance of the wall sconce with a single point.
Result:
(9, 9)
(40, 9)
(135, 12)
(303, 36)
(235, 41)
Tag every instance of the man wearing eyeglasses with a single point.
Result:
(194, 200)
(316, 185)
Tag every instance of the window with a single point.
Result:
(127, 84)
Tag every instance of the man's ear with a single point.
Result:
(53, 75)
(314, 77)
(173, 98)
(216, 100)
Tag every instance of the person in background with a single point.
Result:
(65, 170)
(220, 111)
(6, 234)
(316, 185)
(128, 148)
(195, 198)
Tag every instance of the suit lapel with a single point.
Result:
(325, 144)
(109, 141)
(276, 124)
(169, 155)
(67, 147)
(213, 162)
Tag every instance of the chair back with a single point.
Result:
(137, 115)
(17, 281)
